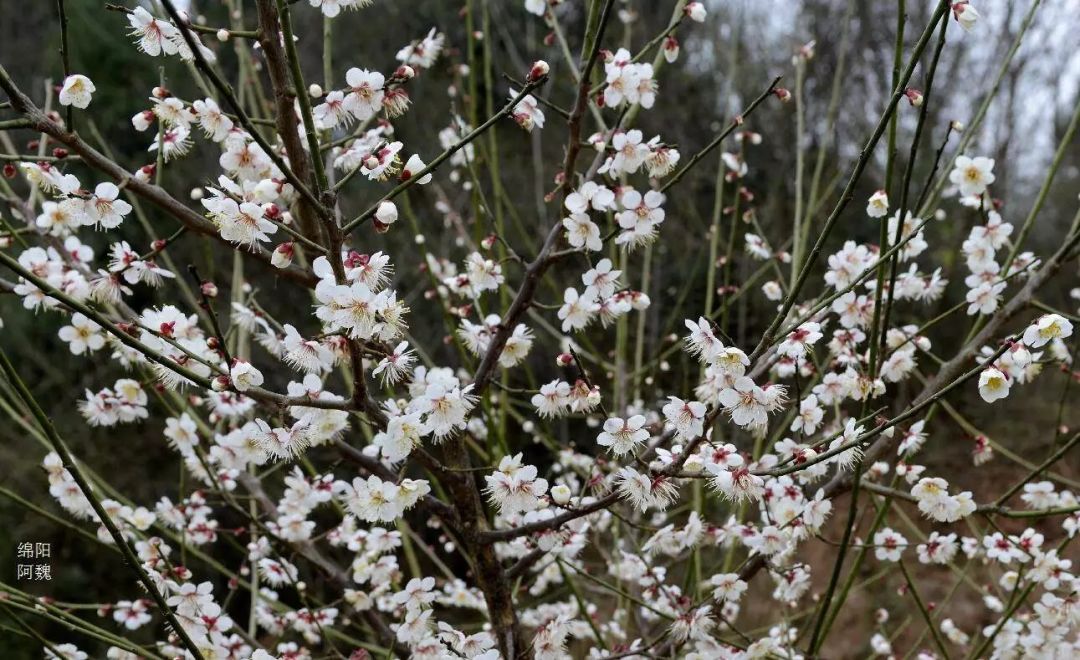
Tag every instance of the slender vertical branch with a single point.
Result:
(118, 537)
(849, 189)
(226, 90)
(65, 58)
(972, 128)
(800, 158)
(905, 185)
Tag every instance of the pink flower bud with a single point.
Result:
(283, 255)
(965, 14)
(564, 360)
(539, 69)
(145, 173)
(914, 96)
(671, 49)
(209, 289)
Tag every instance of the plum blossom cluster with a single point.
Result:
(533, 481)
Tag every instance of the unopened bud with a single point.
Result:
(782, 93)
(560, 494)
(223, 35)
(60, 152)
(564, 360)
(671, 49)
(914, 96)
(414, 166)
(696, 12)
(283, 255)
(209, 289)
(488, 241)
(386, 215)
(220, 384)
(539, 69)
(594, 398)
(145, 173)
(315, 91)
(405, 72)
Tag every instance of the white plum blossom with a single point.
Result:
(582, 232)
(972, 175)
(245, 376)
(687, 417)
(623, 436)
(83, 335)
(578, 310)
(77, 91)
(365, 93)
(889, 545)
(1047, 328)
(515, 488)
(993, 385)
(878, 205)
(527, 112)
